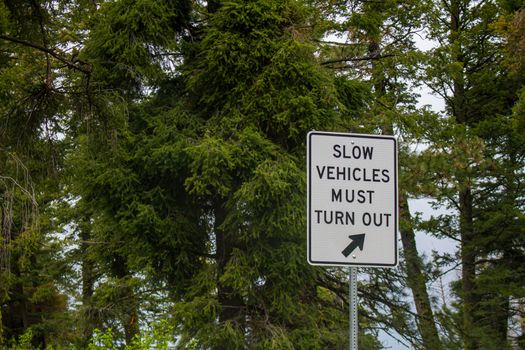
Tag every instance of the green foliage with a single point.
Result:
(132, 41)
(24, 341)
(152, 164)
(473, 156)
(255, 107)
(159, 336)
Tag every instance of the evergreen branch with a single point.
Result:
(401, 38)
(487, 261)
(356, 59)
(90, 242)
(339, 44)
(48, 80)
(347, 66)
(447, 234)
(444, 22)
(338, 289)
(443, 273)
(479, 65)
(392, 335)
(454, 202)
(390, 304)
(371, 1)
(387, 325)
(447, 6)
(86, 70)
(165, 54)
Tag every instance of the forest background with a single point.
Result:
(152, 171)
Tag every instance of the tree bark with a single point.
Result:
(467, 250)
(88, 282)
(232, 306)
(129, 319)
(521, 338)
(416, 278)
(468, 270)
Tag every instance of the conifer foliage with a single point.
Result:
(152, 171)
(256, 90)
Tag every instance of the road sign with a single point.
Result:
(352, 205)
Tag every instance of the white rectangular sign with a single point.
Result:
(352, 204)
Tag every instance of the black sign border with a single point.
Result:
(309, 197)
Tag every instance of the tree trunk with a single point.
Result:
(17, 320)
(468, 271)
(521, 338)
(467, 250)
(232, 305)
(88, 281)
(129, 319)
(1, 329)
(416, 278)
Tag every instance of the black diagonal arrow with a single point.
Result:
(357, 241)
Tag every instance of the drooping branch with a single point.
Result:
(86, 68)
(356, 59)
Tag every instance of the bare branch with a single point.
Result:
(356, 59)
(86, 70)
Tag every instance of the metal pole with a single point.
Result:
(353, 307)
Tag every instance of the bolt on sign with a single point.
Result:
(352, 204)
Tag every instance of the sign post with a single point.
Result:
(352, 307)
(352, 205)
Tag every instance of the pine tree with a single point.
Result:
(380, 48)
(467, 70)
(201, 186)
(256, 88)
(152, 166)
(33, 82)
(130, 46)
